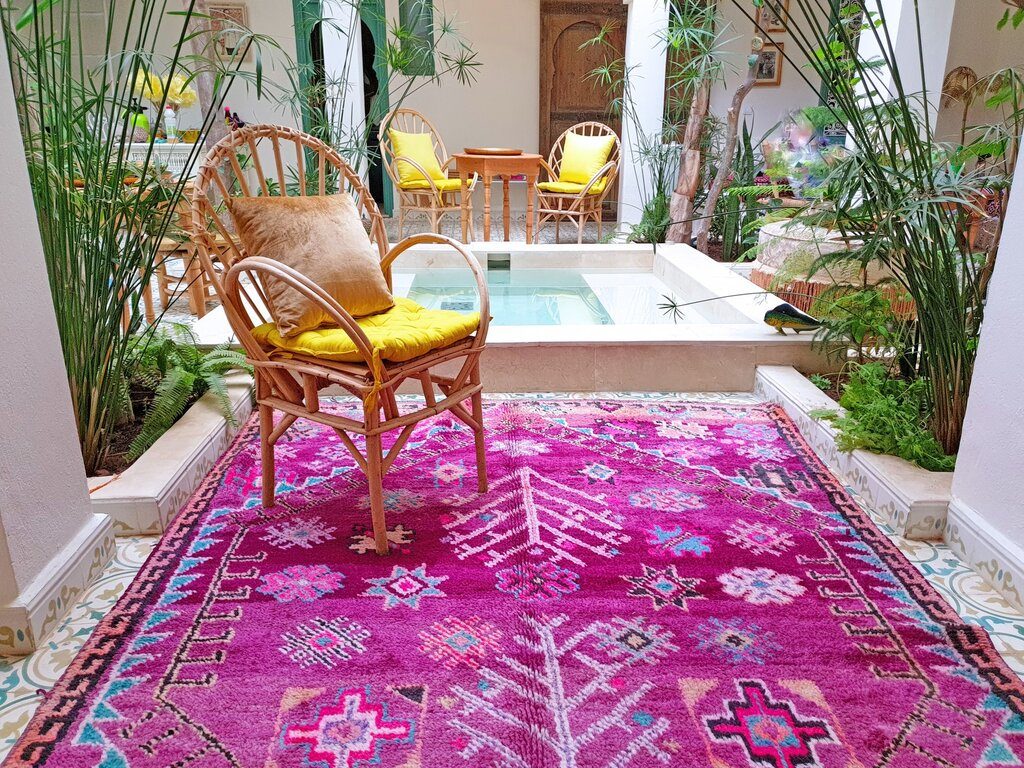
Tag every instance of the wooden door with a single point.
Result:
(568, 95)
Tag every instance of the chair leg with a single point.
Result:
(600, 222)
(375, 479)
(580, 223)
(481, 443)
(401, 220)
(267, 454)
(558, 229)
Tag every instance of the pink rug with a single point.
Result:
(646, 584)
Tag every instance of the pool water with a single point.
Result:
(545, 296)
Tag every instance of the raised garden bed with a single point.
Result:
(914, 500)
(144, 497)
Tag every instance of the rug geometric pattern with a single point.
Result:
(647, 583)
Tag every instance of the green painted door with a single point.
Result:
(375, 33)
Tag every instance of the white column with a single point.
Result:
(51, 543)
(930, 45)
(986, 518)
(645, 60)
(343, 62)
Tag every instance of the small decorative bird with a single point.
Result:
(787, 316)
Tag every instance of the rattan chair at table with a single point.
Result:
(425, 198)
(583, 205)
(289, 382)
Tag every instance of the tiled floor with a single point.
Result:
(23, 679)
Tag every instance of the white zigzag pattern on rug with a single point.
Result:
(551, 516)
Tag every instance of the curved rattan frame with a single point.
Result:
(432, 202)
(582, 206)
(290, 383)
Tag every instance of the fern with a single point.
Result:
(887, 415)
(169, 362)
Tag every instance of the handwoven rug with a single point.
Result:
(645, 584)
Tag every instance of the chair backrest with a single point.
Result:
(406, 121)
(585, 129)
(300, 164)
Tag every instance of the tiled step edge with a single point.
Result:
(146, 496)
(914, 501)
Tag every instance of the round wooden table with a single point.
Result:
(489, 167)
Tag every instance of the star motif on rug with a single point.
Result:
(354, 729)
(599, 473)
(735, 640)
(772, 732)
(405, 587)
(664, 586)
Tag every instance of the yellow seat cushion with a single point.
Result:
(569, 188)
(405, 331)
(443, 185)
(418, 147)
(584, 156)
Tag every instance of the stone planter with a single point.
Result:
(794, 248)
(144, 498)
(914, 500)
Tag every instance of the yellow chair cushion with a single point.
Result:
(443, 185)
(584, 156)
(418, 147)
(569, 188)
(405, 331)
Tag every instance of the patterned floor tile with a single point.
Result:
(22, 680)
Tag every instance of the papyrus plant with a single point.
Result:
(101, 218)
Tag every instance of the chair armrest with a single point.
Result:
(552, 176)
(420, 168)
(307, 288)
(606, 169)
(471, 261)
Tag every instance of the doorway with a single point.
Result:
(568, 95)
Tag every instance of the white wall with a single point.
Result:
(46, 521)
(273, 18)
(990, 465)
(978, 45)
(765, 105)
(645, 62)
(502, 108)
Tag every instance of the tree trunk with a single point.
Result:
(681, 210)
(731, 136)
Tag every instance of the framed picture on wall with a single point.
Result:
(769, 65)
(770, 21)
(230, 23)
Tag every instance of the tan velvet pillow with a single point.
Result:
(324, 239)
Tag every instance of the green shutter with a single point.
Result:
(416, 19)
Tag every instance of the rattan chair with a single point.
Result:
(425, 198)
(583, 205)
(290, 383)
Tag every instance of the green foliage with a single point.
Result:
(171, 364)
(740, 199)
(892, 197)
(858, 320)
(821, 382)
(888, 415)
(653, 222)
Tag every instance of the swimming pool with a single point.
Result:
(550, 296)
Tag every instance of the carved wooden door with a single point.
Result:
(568, 95)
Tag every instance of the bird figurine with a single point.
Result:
(787, 316)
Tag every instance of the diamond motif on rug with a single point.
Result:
(772, 732)
(453, 641)
(405, 587)
(299, 533)
(353, 730)
(324, 642)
